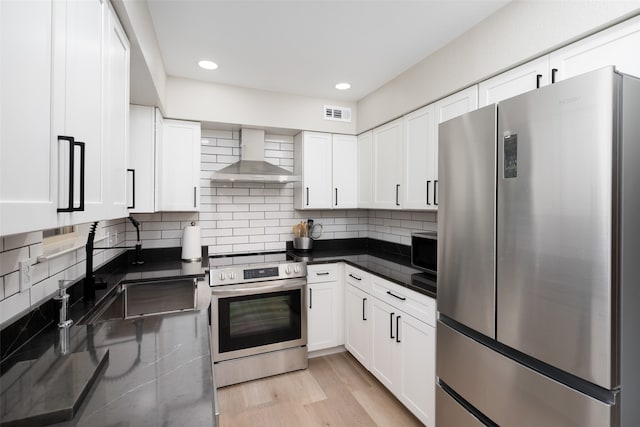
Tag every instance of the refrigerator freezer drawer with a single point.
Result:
(511, 394)
(450, 413)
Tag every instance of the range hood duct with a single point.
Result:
(252, 167)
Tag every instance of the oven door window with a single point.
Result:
(256, 320)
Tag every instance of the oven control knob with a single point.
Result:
(296, 268)
(221, 276)
(232, 275)
(287, 270)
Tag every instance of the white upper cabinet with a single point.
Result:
(387, 144)
(516, 81)
(28, 153)
(142, 153)
(312, 152)
(617, 46)
(64, 114)
(345, 171)
(78, 75)
(365, 170)
(420, 159)
(178, 167)
(328, 166)
(117, 53)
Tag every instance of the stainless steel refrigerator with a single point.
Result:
(539, 258)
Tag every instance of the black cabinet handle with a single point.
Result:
(310, 298)
(72, 166)
(133, 188)
(435, 192)
(428, 185)
(538, 78)
(354, 277)
(336, 197)
(397, 328)
(322, 273)
(391, 326)
(553, 75)
(397, 194)
(194, 197)
(307, 196)
(396, 296)
(364, 300)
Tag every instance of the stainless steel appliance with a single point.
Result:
(258, 317)
(538, 266)
(424, 251)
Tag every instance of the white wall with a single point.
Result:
(209, 102)
(520, 31)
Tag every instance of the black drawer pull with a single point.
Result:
(398, 329)
(354, 277)
(364, 317)
(396, 296)
(391, 326)
(324, 273)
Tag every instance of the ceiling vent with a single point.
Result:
(342, 114)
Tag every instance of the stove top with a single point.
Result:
(254, 267)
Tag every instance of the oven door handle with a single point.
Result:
(220, 290)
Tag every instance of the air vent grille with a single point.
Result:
(342, 114)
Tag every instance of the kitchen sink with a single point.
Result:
(145, 298)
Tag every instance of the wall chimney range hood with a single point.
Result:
(252, 167)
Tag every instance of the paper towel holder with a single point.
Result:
(191, 249)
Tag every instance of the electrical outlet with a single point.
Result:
(25, 274)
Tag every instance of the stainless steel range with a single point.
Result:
(258, 317)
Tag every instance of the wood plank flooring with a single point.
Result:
(335, 391)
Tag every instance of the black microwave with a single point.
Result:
(424, 251)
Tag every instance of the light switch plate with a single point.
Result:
(26, 268)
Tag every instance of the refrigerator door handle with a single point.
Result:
(398, 328)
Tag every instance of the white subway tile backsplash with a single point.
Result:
(9, 260)
(248, 215)
(19, 240)
(243, 223)
(12, 306)
(248, 231)
(12, 283)
(234, 208)
(249, 247)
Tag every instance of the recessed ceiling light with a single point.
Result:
(208, 65)
(343, 86)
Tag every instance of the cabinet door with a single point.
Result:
(617, 46)
(357, 318)
(524, 78)
(316, 167)
(453, 106)
(387, 165)
(79, 70)
(419, 159)
(322, 303)
(365, 170)
(417, 367)
(383, 342)
(142, 154)
(116, 115)
(28, 153)
(345, 171)
(179, 167)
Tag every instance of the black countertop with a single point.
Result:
(395, 268)
(153, 370)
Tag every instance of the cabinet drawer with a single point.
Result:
(358, 278)
(322, 273)
(417, 305)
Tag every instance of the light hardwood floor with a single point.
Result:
(335, 391)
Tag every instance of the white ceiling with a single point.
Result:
(305, 47)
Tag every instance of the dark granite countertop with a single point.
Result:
(395, 268)
(154, 370)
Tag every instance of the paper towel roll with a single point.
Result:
(191, 250)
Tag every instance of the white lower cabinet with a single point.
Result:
(391, 331)
(357, 317)
(324, 307)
